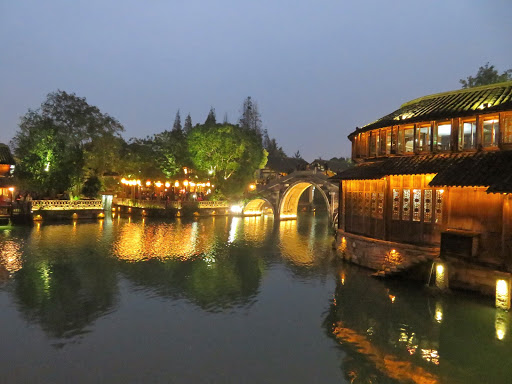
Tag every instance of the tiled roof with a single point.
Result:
(5, 155)
(480, 169)
(463, 102)
(287, 164)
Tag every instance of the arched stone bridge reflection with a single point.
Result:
(282, 196)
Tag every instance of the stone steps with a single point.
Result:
(392, 270)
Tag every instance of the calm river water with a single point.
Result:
(227, 300)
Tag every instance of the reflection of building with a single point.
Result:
(436, 172)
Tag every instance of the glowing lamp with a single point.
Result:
(177, 184)
(11, 189)
(138, 183)
(185, 183)
(123, 180)
(207, 183)
(148, 183)
(192, 184)
(502, 294)
(167, 184)
(252, 187)
(441, 276)
(236, 209)
(158, 184)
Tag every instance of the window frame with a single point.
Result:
(435, 138)
(417, 147)
(461, 141)
(495, 135)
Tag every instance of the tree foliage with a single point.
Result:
(187, 127)
(177, 122)
(250, 118)
(486, 75)
(228, 152)
(60, 143)
(271, 146)
(211, 119)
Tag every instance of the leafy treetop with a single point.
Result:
(486, 75)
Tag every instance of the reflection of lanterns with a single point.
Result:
(177, 184)
(185, 183)
(148, 183)
(167, 184)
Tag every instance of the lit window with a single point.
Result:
(467, 136)
(423, 138)
(382, 149)
(491, 132)
(443, 137)
(409, 140)
(374, 143)
(405, 140)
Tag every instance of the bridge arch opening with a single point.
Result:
(258, 207)
(290, 201)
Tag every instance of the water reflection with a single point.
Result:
(245, 273)
(306, 244)
(402, 332)
(64, 282)
(190, 260)
(10, 258)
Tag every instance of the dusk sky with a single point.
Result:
(316, 69)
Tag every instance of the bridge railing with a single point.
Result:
(163, 204)
(64, 205)
(213, 204)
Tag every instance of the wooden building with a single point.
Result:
(436, 173)
(6, 183)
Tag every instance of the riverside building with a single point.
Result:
(433, 177)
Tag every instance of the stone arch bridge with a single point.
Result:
(282, 195)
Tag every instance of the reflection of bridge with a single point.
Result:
(283, 195)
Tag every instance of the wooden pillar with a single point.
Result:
(341, 209)
(388, 206)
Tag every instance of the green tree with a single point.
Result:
(250, 118)
(211, 119)
(52, 142)
(140, 159)
(171, 151)
(232, 154)
(271, 146)
(92, 187)
(486, 75)
(177, 122)
(187, 127)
